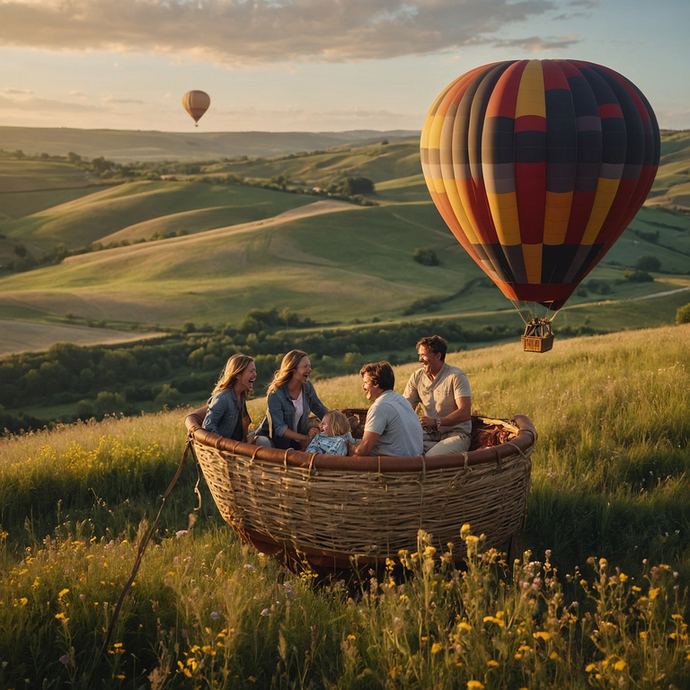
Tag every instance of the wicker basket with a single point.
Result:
(538, 336)
(327, 509)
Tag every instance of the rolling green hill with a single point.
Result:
(129, 145)
(139, 209)
(247, 247)
(377, 162)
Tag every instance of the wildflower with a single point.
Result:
(464, 533)
(654, 592)
(404, 598)
(180, 533)
(541, 634)
(62, 593)
(289, 592)
(603, 563)
(64, 659)
(351, 637)
(474, 685)
(553, 656)
(121, 676)
(61, 617)
(23, 601)
(215, 615)
(493, 664)
(436, 648)
(265, 613)
(465, 626)
(249, 567)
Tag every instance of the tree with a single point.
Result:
(426, 256)
(354, 185)
(648, 263)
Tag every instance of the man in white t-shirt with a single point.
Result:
(392, 426)
(445, 395)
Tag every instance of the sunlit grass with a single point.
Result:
(610, 502)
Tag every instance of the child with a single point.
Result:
(334, 435)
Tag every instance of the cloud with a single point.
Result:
(246, 32)
(17, 92)
(112, 99)
(534, 44)
(48, 105)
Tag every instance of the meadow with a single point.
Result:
(211, 239)
(599, 599)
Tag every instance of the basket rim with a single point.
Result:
(522, 444)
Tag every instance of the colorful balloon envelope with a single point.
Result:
(537, 167)
(196, 103)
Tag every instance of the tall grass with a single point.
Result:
(601, 603)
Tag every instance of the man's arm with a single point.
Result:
(366, 445)
(461, 414)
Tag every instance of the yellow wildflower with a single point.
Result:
(619, 665)
(465, 626)
(590, 667)
(654, 592)
(541, 634)
(474, 685)
(493, 664)
(436, 648)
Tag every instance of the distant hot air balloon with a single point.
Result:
(537, 167)
(196, 103)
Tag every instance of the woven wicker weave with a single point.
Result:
(327, 509)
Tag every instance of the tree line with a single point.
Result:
(92, 381)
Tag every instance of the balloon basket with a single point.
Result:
(538, 336)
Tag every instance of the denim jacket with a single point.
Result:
(223, 411)
(280, 414)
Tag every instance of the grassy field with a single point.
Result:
(597, 603)
(194, 144)
(137, 210)
(241, 253)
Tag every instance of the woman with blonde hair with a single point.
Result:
(291, 396)
(227, 409)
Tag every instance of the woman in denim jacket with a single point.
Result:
(227, 410)
(291, 397)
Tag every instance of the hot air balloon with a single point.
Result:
(537, 167)
(196, 103)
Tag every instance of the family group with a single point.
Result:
(392, 425)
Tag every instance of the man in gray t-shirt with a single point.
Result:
(445, 395)
(392, 427)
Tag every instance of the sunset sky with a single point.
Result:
(310, 65)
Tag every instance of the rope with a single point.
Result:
(144, 543)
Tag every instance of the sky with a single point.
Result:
(311, 65)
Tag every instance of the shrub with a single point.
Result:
(638, 277)
(683, 314)
(426, 256)
(648, 263)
